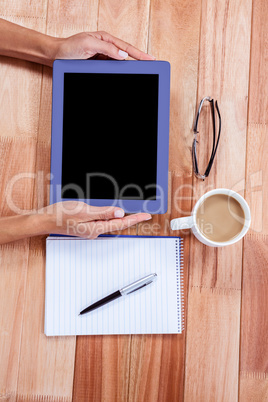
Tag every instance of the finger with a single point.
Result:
(94, 229)
(108, 49)
(103, 213)
(120, 224)
(126, 47)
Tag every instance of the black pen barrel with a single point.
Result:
(101, 302)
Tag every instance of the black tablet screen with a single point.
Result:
(110, 136)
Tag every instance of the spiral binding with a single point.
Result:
(180, 282)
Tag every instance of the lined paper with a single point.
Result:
(80, 272)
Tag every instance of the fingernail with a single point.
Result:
(119, 213)
(123, 54)
(147, 219)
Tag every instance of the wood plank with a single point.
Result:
(157, 362)
(17, 166)
(66, 18)
(254, 320)
(257, 163)
(25, 9)
(128, 21)
(257, 177)
(50, 373)
(19, 100)
(46, 363)
(253, 387)
(174, 36)
(13, 271)
(215, 267)
(20, 81)
(254, 347)
(217, 62)
(156, 368)
(258, 95)
(102, 370)
(215, 274)
(17, 156)
(212, 344)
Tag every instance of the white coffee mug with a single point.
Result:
(189, 222)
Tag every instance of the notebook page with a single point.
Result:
(80, 272)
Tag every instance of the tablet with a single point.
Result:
(110, 133)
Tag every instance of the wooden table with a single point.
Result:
(216, 48)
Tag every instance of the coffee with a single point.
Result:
(220, 218)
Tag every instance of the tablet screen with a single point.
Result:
(110, 136)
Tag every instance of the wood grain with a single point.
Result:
(254, 346)
(51, 373)
(102, 368)
(254, 320)
(20, 84)
(20, 108)
(174, 36)
(213, 344)
(158, 372)
(129, 23)
(17, 162)
(124, 21)
(207, 355)
(13, 271)
(20, 81)
(257, 177)
(46, 363)
(253, 387)
(257, 164)
(66, 18)
(158, 361)
(258, 96)
(215, 274)
(156, 369)
(25, 9)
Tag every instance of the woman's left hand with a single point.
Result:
(86, 45)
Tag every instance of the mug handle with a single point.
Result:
(182, 223)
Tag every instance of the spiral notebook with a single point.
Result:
(80, 272)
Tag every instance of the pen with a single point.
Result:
(122, 292)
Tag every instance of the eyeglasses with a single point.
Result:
(215, 140)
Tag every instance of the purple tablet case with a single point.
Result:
(162, 69)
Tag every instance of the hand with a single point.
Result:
(91, 44)
(79, 219)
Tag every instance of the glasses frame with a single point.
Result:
(215, 140)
